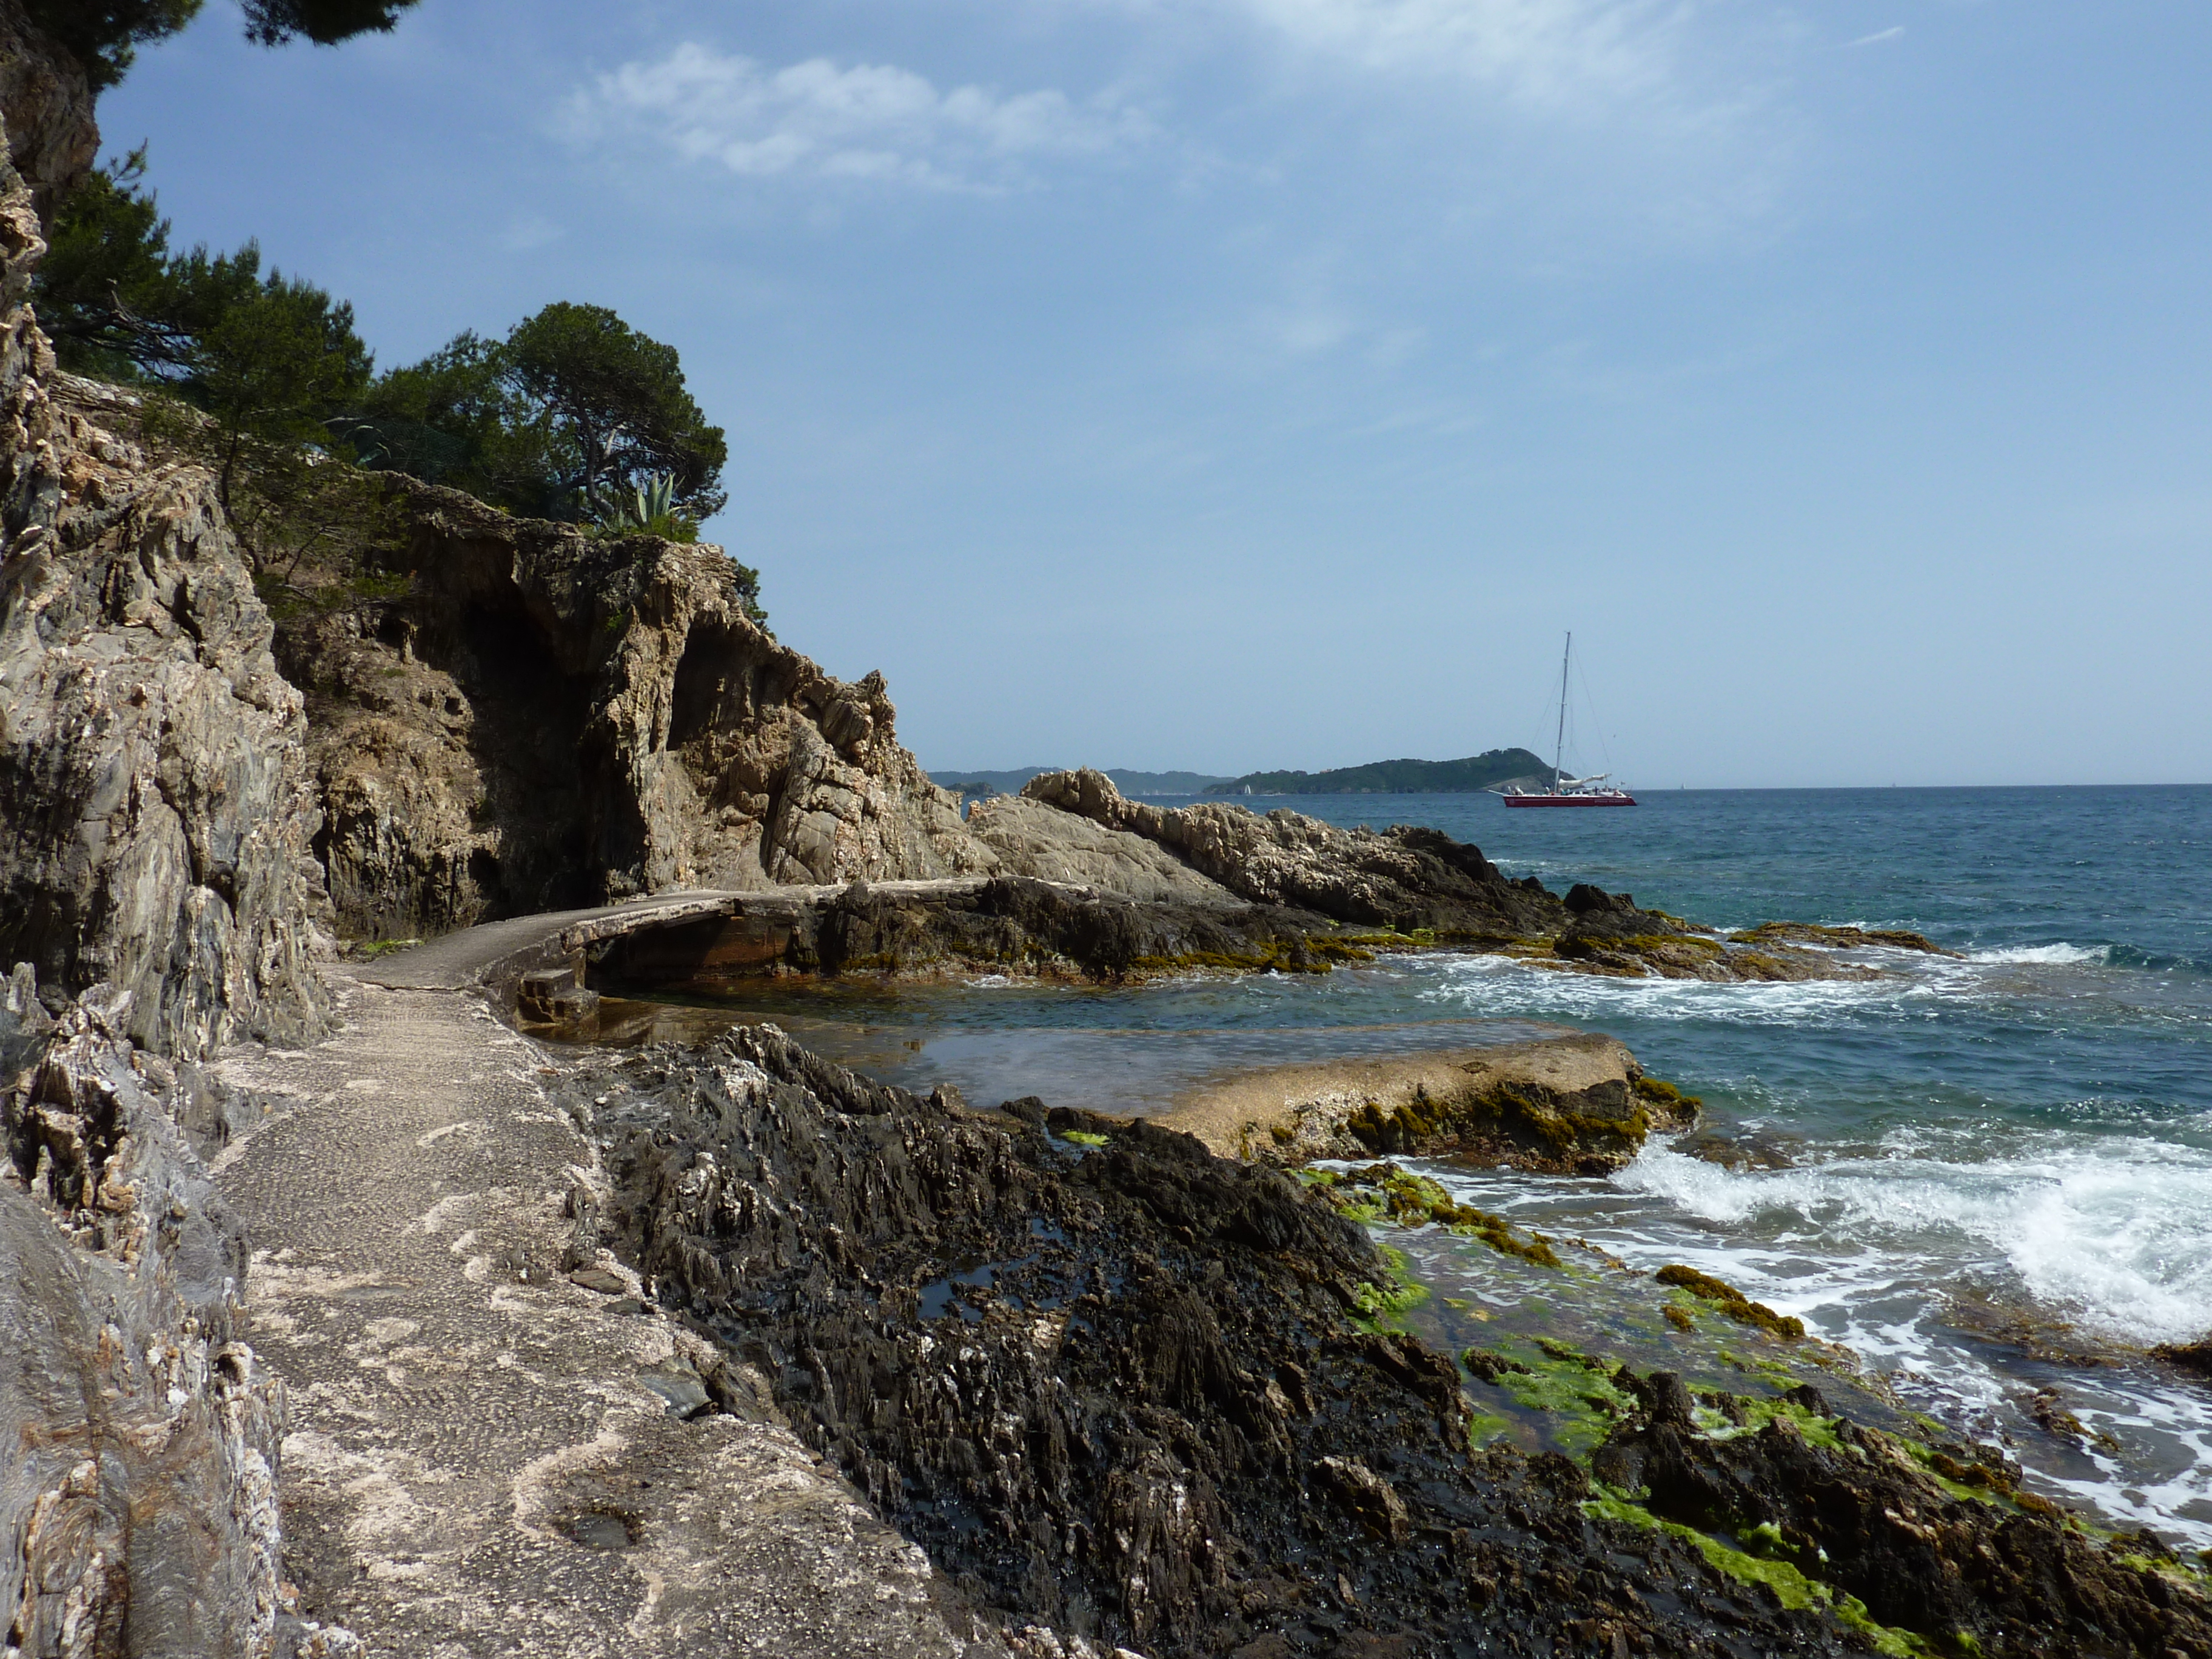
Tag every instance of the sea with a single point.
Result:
(1986, 1174)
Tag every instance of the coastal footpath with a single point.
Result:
(337, 1316)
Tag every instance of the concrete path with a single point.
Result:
(463, 959)
(485, 1457)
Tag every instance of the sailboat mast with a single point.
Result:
(1559, 744)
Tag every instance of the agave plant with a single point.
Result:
(652, 501)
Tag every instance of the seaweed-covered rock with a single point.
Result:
(1113, 1384)
(1936, 1541)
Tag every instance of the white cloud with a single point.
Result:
(869, 121)
(1894, 32)
(1559, 54)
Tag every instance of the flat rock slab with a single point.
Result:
(1240, 1115)
(486, 1457)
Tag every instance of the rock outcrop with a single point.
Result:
(1569, 1105)
(1952, 1551)
(1418, 884)
(157, 892)
(153, 768)
(138, 1510)
(1399, 879)
(509, 716)
(1115, 1385)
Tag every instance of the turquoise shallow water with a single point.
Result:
(1999, 1166)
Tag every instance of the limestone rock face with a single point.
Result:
(156, 873)
(52, 139)
(139, 1501)
(152, 766)
(537, 718)
(152, 774)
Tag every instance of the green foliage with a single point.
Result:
(271, 357)
(104, 35)
(650, 510)
(325, 23)
(106, 268)
(575, 415)
(615, 398)
(455, 419)
(275, 364)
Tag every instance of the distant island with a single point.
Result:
(1488, 770)
(1398, 777)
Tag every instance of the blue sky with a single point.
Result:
(1231, 384)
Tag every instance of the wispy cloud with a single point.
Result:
(868, 121)
(1891, 33)
(1674, 117)
(1557, 54)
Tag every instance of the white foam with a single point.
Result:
(2058, 954)
(1500, 987)
(2110, 1232)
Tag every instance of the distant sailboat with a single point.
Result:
(1566, 791)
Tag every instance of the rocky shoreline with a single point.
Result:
(339, 1320)
(1145, 1395)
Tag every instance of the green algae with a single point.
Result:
(1754, 1412)
(1788, 1583)
(1384, 1192)
(1082, 1138)
(1732, 1302)
(1383, 1307)
(1575, 1394)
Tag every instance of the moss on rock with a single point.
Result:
(1732, 1302)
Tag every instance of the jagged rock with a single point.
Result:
(1995, 1573)
(1403, 877)
(1053, 844)
(155, 875)
(1119, 1394)
(1412, 879)
(152, 773)
(138, 1500)
(545, 718)
(51, 140)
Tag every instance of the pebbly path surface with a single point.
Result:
(485, 1457)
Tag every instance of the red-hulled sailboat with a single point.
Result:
(1566, 791)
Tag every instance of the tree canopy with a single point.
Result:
(616, 401)
(105, 35)
(573, 416)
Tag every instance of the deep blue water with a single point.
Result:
(2015, 1140)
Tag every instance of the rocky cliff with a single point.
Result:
(156, 889)
(508, 716)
